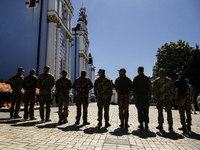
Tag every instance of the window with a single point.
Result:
(32, 3)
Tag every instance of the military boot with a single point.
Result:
(60, 121)
(183, 128)
(146, 126)
(189, 128)
(107, 124)
(122, 124)
(99, 124)
(141, 126)
(170, 128)
(159, 127)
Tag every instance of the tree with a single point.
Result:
(173, 58)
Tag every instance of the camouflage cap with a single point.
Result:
(162, 70)
(102, 71)
(46, 67)
(123, 70)
(20, 69)
(32, 71)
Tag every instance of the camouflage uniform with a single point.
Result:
(123, 86)
(163, 91)
(82, 85)
(16, 85)
(184, 104)
(142, 94)
(45, 84)
(63, 85)
(29, 85)
(103, 92)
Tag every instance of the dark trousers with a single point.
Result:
(29, 99)
(45, 99)
(63, 104)
(15, 98)
(103, 104)
(82, 101)
(123, 109)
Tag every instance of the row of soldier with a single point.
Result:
(163, 91)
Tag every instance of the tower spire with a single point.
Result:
(82, 4)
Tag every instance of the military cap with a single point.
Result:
(20, 69)
(83, 72)
(32, 71)
(64, 71)
(102, 71)
(123, 70)
(162, 70)
(141, 69)
(46, 67)
(180, 73)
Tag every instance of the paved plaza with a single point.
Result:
(25, 134)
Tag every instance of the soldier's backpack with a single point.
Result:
(190, 91)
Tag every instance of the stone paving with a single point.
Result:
(25, 134)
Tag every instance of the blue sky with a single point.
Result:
(127, 33)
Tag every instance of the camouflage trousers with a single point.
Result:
(45, 99)
(63, 103)
(142, 105)
(123, 109)
(29, 98)
(82, 100)
(184, 106)
(167, 104)
(103, 103)
(15, 98)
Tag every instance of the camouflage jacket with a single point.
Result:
(16, 82)
(141, 86)
(63, 85)
(46, 82)
(30, 83)
(123, 85)
(103, 87)
(163, 88)
(82, 85)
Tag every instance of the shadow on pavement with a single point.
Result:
(93, 130)
(191, 135)
(9, 121)
(51, 125)
(26, 124)
(71, 128)
(120, 132)
(144, 133)
(170, 135)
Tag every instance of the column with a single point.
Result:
(67, 53)
(81, 62)
(70, 47)
(50, 57)
(93, 80)
(58, 51)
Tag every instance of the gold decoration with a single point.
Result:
(70, 39)
(93, 69)
(88, 61)
(68, 35)
(59, 24)
(52, 18)
(81, 55)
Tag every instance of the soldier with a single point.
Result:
(123, 86)
(82, 85)
(45, 84)
(142, 95)
(182, 101)
(163, 91)
(103, 92)
(29, 85)
(16, 85)
(63, 85)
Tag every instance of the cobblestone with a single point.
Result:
(23, 134)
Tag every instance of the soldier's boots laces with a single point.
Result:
(99, 124)
(107, 124)
(86, 123)
(159, 127)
